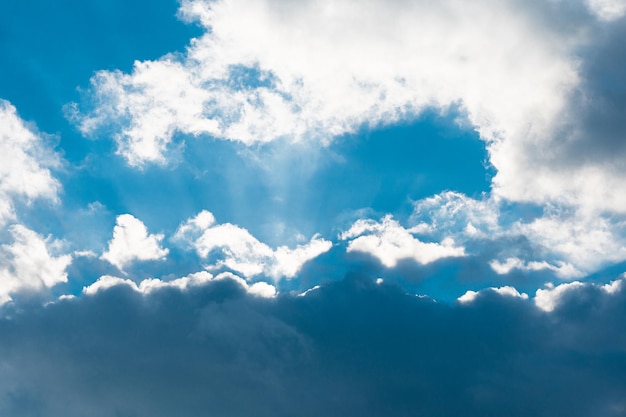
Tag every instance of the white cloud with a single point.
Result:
(508, 291)
(28, 263)
(268, 69)
(131, 241)
(259, 289)
(389, 242)
(240, 251)
(25, 160)
(586, 240)
(309, 291)
(608, 9)
(613, 286)
(569, 242)
(549, 298)
(562, 270)
(458, 214)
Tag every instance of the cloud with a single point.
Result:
(29, 263)
(239, 251)
(548, 299)
(470, 296)
(562, 270)
(569, 242)
(321, 69)
(457, 213)
(365, 349)
(389, 242)
(25, 162)
(147, 286)
(131, 242)
(607, 9)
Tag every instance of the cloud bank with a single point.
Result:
(351, 348)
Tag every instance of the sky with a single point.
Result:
(276, 208)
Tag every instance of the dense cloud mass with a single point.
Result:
(348, 348)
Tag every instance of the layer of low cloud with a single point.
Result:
(351, 348)
(132, 242)
(236, 249)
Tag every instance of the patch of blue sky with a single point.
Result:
(315, 189)
(304, 190)
(48, 49)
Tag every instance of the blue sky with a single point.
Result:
(294, 181)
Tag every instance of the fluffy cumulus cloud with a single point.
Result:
(30, 263)
(350, 348)
(25, 163)
(470, 295)
(390, 243)
(236, 249)
(568, 242)
(131, 241)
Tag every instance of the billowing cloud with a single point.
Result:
(131, 241)
(548, 299)
(30, 263)
(147, 286)
(365, 349)
(25, 162)
(545, 105)
(608, 9)
(389, 242)
(470, 296)
(266, 70)
(239, 251)
(569, 242)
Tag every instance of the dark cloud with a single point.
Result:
(603, 108)
(351, 348)
(593, 129)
